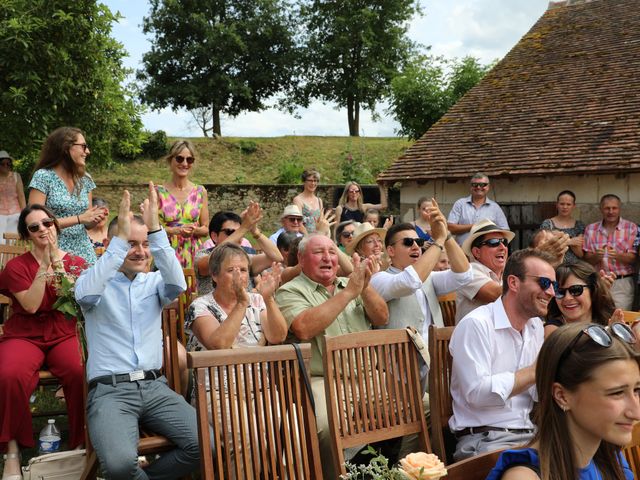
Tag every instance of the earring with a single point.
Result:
(564, 408)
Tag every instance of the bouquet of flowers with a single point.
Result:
(415, 466)
(64, 284)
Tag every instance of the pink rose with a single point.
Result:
(422, 466)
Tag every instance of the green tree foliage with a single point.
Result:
(428, 87)
(352, 50)
(226, 56)
(59, 66)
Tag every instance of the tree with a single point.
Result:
(226, 56)
(428, 87)
(59, 66)
(352, 50)
(203, 118)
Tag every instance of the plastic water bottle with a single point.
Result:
(49, 440)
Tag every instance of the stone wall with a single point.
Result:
(235, 197)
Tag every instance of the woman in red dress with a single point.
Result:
(36, 335)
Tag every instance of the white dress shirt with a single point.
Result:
(487, 351)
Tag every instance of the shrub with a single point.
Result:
(155, 146)
(289, 170)
(247, 146)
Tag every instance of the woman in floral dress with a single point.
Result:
(61, 183)
(183, 206)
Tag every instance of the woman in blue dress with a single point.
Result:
(588, 379)
(61, 183)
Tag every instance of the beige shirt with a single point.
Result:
(465, 296)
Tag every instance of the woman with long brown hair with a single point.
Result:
(351, 207)
(61, 183)
(587, 378)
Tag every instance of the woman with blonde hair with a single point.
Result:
(587, 379)
(351, 207)
(307, 201)
(183, 205)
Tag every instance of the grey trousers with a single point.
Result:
(113, 415)
(476, 443)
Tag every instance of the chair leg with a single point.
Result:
(90, 471)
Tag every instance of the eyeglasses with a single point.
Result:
(84, 146)
(494, 242)
(228, 231)
(408, 242)
(346, 234)
(479, 184)
(46, 223)
(354, 191)
(601, 336)
(294, 219)
(545, 282)
(180, 159)
(574, 290)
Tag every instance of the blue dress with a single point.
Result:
(529, 457)
(421, 233)
(74, 239)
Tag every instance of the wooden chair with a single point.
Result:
(185, 299)
(448, 308)
(149, 443)
(439, 390)
(266, 419)
(7, 252)
(630, 316)
(632, 452)
(13, 238)
(372, 387)
(474, 468)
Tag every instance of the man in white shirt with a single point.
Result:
(494, 350)
(488, 249)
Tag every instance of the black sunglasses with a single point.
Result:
(83, 145)
(494, 242)
(574, 290)
(545, 282)
(46, 223)
(601, 336)
(228, 231)
(346, 234)
(479, 184)
(408, 242)
(180, 159)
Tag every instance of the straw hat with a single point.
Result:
(361, 231)
(4, 154)
(483, 227)
(291, 211)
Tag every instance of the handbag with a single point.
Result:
(56, 466)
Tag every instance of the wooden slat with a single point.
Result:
(439, 387)
(474, 468)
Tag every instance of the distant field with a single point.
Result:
(258, 160)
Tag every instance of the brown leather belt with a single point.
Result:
(472, 430)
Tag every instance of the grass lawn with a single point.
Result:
(259, 160)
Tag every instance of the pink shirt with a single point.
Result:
(622, 241)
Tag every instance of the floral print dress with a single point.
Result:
(175, 214)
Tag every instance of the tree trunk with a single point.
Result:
(217, 132)
(353, 114)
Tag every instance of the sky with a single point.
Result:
(486, 29)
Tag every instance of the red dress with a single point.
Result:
(31, 341)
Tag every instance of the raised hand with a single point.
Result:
(608, 277)
(239, 288)
(438, 222)
(268, 282)
(388, 223)
(251, 216)
(358, 280)
(326, 221)
(149, 209)
(617, 316)
(124, 216)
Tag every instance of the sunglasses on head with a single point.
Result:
(574, 290)
(494, 242)
(408, 242)
(228, 231)
(544, 283)
(180, 159)
(602, 336)
(83, 145)
(46, 223)
(479, 184)
(346, 234)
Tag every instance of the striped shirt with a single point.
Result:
(622, 241)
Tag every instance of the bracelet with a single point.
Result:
(78, 217)
(438, 245)
(154, 231)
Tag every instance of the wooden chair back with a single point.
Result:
(474, 468)
(185, 299)
(13, 238)
(264, 427)
(7, 252)
(439, 389)
(172, 332)
(630, 316)
(632, 452)
(373, 392)
(448, 308)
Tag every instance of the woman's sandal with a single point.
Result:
(14, 476)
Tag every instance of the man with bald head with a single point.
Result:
(318, 302)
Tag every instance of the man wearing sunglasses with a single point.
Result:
(487, 246)
(467, 211)
(494, 350)
(291, 220)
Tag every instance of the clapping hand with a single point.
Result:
(325, 222)
(239, 288)
(149, 209)
(251, 216)
(124, 216)
(268, 282)
(437, 222)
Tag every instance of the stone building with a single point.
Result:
(560, 111)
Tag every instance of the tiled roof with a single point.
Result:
(565, 100)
